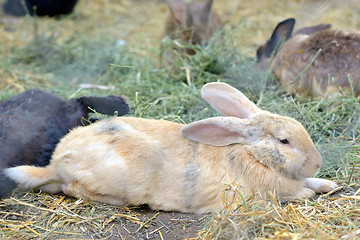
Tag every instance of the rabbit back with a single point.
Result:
(339, 57)
(133, 161)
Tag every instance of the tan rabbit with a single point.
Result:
(192, 22)
(171, 166)
(339, 57)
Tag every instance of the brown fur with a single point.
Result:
(191, 23)
(340, 57)
(169, 166)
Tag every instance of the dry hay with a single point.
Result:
(44, 216)
(331, 216)
(140, 24)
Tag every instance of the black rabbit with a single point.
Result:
(33, 122)
(39, 7)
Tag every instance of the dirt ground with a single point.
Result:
(162, 225)
(49, 216)
(140, 24)
(173, 225)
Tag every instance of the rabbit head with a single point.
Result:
(280, 143)
(192, 22)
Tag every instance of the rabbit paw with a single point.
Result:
(305, 193)
(320, 185)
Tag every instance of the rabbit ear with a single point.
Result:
(206, 9)
(107, 105)
(178, 10)
(219, 131)
(282, 32)
(312, 29)
(227, 100)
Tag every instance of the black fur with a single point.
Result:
(43, 7)
(33, 122)
(282, 32)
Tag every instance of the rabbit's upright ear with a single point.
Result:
(228, 100)
(313, 29)
(206, 9)
(107, 105)
(282, 32)
(220, 131)
(178, 11)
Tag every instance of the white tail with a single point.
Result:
(33, 177)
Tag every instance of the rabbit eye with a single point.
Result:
(284, 141)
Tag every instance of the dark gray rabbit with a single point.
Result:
(33, 122)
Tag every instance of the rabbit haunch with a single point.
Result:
(34, 121)
(338, 58)
(171, 166)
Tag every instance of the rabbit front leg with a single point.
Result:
(305, 193)
(313, 186)
(320, 185)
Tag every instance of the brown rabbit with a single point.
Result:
(339, 57)
(171, 166)
(192, 22)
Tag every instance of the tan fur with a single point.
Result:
(127, 160)
(340, 57)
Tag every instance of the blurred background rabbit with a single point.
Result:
(314, 61)
(190, 23)
(39, 7)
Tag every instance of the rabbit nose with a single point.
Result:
(318, 159)
(318, 166)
